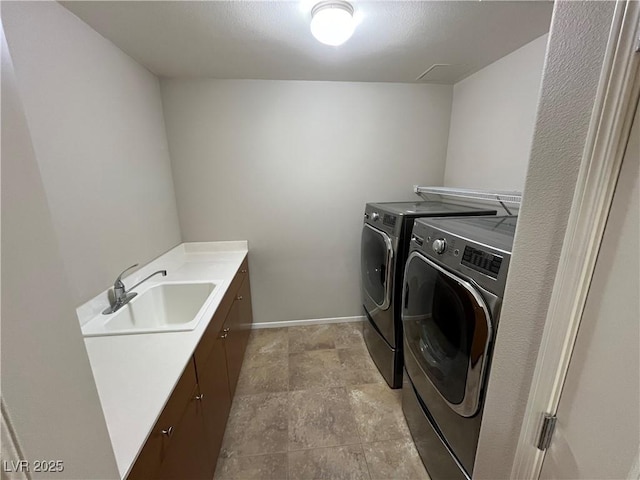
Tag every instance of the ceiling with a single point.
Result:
(395, 41)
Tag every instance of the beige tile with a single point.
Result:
(357, 366)
(336, 463)
(348, 335)
(262, 373)
(337, 400)
(256, 467)
(378, 412)
(321, 418)
(267, 340)
(254, 359)
(257, 424)
(318, 368)
(314, 337)
(396, 459)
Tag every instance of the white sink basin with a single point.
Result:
(168, 307)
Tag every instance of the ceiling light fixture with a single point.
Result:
(332, 22)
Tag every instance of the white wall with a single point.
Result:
(577, 40)
(492, 120)
(47, 385)
(289, 166)
(98, 133)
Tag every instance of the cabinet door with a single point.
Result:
(237, 328)
(232, 345)
(161, 439)
(186, 457)
(245, 308)
(216, 399)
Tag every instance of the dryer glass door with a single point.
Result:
(448, 330)
(376, 264)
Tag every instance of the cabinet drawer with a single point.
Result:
(147, 464)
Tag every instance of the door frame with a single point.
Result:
(609, 129)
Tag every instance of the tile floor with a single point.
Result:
(310, 404)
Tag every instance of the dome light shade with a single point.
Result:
(332, 22)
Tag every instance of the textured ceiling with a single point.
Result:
(395, 41)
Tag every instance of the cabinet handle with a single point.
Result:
(199, 397)
(224, 335)
(244, 270)
(226, 330)
(239, 297)
(168, 432)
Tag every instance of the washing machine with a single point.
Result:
(453, 286)
(385, 241)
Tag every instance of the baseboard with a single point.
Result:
(304, 323)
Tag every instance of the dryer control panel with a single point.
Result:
(483, 264)
(482, 261)
(387, 222)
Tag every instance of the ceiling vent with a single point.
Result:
(431, 69)
(444, 73)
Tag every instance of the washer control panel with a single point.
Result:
(388, 222)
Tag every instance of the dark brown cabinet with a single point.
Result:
(162, 438)
(186, 458)
(185, 442)
(236, 329)
(216, 399)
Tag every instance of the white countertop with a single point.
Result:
(135, 374)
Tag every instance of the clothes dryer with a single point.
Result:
(385, 242)
(454, 281)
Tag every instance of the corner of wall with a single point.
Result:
(97, 127)
(577, 42)
(492, 121)
(47, 383)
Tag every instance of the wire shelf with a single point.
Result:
(495, 196)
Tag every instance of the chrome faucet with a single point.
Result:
(122, 296)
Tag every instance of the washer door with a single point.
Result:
(376, 259)
(448, 331)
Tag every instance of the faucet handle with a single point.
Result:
(118, 283)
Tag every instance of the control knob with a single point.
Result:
(439, 245)
(375, 216)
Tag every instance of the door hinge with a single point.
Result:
(546, 432)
